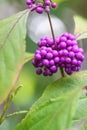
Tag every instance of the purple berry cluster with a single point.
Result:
(40, 7)
(61, 52)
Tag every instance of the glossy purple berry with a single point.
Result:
(49, 55)
(71, 54)
(45, 62)
(62, 45)
(28, 2)
(54, 5)
(39, 10)
(47, 2)
(39, 71)
(56, 59)
(65, 54)
(47, 9)
(38, 57)
(68, 71)
(53, 68)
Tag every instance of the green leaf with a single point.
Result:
(28, 57)
(56, 108)
(80, 27)
(79, 6)
(81, 112)
(12, 51)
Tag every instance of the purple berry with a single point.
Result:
(65, 52)
(54, 5)
(62, 45)
(49, 55)
(62, 59)
(65, 34)
(80, 56)
(28, 2)
(53, 68)
(39, 10)
(39, 71)
(43, 53)
(69, 43)
(51, 62)
(68, 60)
(74, 62)
(81, 50)
(56, 59)
(74, 42)
(79, 62)
(47, 2)
(38, 57)
(69, 48)
(71, 37)
(43, 43)
(60, 53)
(71, 54)
(50, 41)
(55, 53)
(57, 40)
(47, 9)
(68, 71)
(45, 62)
(75, 48)
(47, 71)
(63, 39)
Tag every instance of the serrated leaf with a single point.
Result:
(56, 108)
(12, 50)
(80, 27)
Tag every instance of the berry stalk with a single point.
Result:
(51, 29)
(61, 69)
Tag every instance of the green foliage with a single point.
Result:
(28, 57)
(56, 108)
(78, 6)
(12, 50)
(80, 27)
(62, 105)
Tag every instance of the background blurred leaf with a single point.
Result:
(56, 108)
(79, 6)
(28, 57)
(12, 50)
(28, 91)
(80, 27)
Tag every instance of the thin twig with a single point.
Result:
(8, 103)
(51, 26)
(16, 113)
(61, 69)
(62, 72)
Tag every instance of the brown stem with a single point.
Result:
(61, 69)
(62, 72)
(51, 28)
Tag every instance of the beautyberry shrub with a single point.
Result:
(63, 51)
(40, 7)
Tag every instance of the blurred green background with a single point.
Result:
(33, 85)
